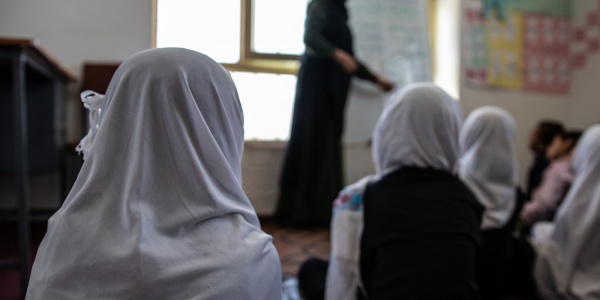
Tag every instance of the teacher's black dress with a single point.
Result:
(312, 174)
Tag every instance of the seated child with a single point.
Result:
(488, 166)
(557, 180)
(539, 140)
(412, 230)
(158, 210)
(568, 264)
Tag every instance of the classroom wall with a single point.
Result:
(583, 104)
(262, 162)
(75, 31)
(110, 30)
(579, 108)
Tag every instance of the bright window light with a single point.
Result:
(213, 28)
(267, 100)
(207, 26)
(278, 26)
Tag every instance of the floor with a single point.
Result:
(9, 280)
(296, 245)
(293, 245)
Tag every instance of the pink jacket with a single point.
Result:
(551, 192)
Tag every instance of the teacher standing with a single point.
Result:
(312, 173)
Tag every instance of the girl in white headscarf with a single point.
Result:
(488, 166)
(158, 210)
(568, 264)
(421, 224)
(421, 230)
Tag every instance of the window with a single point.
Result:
(210, 27)
(259, 41)
(278, 26)
(267, 100)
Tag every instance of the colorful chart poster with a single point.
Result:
(547, 53)
(563, 8)
(526, 46)
(475, 48)
(505, 46)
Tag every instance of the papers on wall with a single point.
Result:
(527, 50)
(391, 36)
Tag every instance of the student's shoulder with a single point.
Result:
(462, 191)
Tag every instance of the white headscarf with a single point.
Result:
(568, 265)
(488, 165)
(158, 210)
(419, 128)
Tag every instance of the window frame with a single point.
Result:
(247, 31)
(282, 64)
(249, 60)
(256, 62)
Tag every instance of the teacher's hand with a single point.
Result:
(384, 84)
(345, 60)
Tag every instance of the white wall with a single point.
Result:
(583, 105)
(363, 107)
(81, 30)
(75, 31)
(262, 162)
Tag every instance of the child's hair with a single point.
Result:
(547, 130)
(572, 135)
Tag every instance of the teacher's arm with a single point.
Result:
(363, 72)
(316, 21)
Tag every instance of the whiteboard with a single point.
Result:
(392, 38)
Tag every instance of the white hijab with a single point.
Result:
(488, 165)
(568, 265)
(418, 128)
(158, 210)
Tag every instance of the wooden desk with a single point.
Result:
(32, 127)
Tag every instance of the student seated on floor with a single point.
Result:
(412, 230)
(488, 166)
(539, 141)
(557, 180)
(568, 264)
(158, 210)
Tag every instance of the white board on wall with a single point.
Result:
(392, 38)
